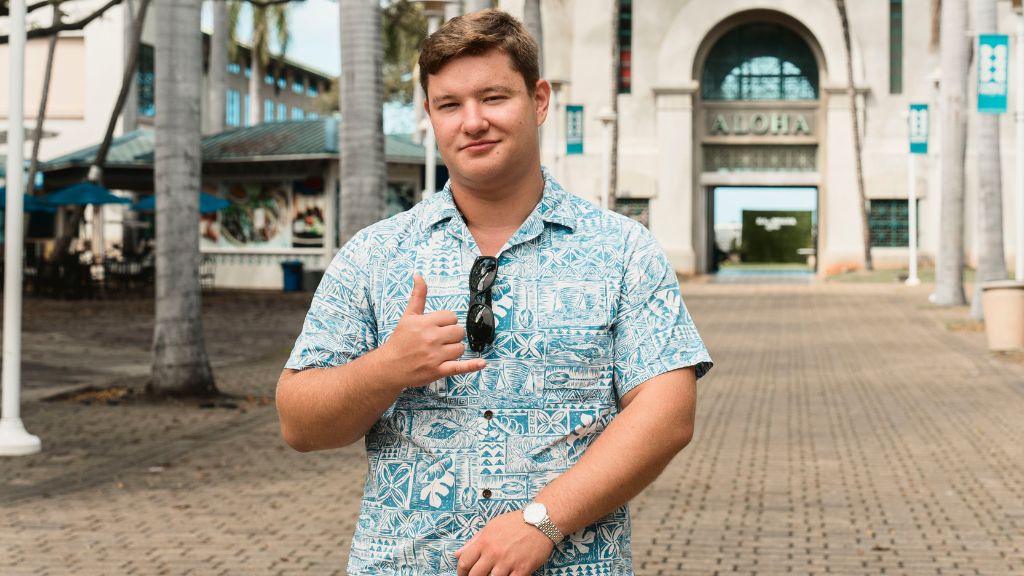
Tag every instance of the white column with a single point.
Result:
(672, 209)
(841, 244)
(14, 440)
(1019, 115)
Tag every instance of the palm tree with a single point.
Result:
(266, 19)
(180, 363)
(991, 259)
(855, 119)
(218, 71)
(953, 50)
(363, 172)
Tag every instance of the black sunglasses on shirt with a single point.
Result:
(480, 317)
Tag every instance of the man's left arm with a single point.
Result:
(655, 424)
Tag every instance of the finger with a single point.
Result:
(467, 555)
(482, 567)
(451, 334)
(443, 318)
(455, 367)
(418, 297)
(453, 351)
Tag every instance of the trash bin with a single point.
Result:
(292, 270)
(1003, 304)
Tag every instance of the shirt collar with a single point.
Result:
(553, 208)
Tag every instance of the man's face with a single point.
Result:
(485, 119)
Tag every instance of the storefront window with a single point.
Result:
(760, 61)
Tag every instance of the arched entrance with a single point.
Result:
(758, 126)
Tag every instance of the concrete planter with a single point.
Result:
(1003, 305)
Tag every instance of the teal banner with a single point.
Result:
(573, 129)
(993, 73)
(918, 128)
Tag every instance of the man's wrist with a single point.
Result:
(536, 515)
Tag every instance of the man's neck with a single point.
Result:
(494, 213)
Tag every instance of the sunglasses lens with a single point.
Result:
(481, 277)
(479, 327)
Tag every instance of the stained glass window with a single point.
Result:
(625, 31)
(760, 61)
(145, 79)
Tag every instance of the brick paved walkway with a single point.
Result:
(845, 430)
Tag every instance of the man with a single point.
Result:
(522, 456)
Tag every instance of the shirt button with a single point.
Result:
(488, 415)
(486, 493)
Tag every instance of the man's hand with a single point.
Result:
(507, 546)
(426, 347)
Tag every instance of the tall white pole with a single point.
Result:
(14, 440)
(912, 279)
(1019, 115)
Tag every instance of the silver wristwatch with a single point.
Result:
(536, 515)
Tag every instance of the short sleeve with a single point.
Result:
(652, 331)
(340, 325)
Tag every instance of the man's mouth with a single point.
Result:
(479, 145)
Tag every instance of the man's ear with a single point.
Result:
(541, 99)
(426, 104)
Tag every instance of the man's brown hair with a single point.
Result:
(479, 33)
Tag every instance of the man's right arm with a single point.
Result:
(323, 408)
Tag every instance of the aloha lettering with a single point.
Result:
(760, 124)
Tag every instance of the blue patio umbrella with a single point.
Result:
(83, 193)
(30, 203)
(208, 204)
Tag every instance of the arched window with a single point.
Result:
(760, 61)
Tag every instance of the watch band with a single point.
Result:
(550, 530)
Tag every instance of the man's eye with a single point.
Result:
(446, 105)
(494, 99)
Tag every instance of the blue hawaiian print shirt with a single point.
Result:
(587, 308)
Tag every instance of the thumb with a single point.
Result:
(418, 297)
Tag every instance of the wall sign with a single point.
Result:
(573, 129)
(918, 127)
(993, 73)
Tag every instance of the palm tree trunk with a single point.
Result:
(180, 363)
(218, 72)
(855, 119)
(37, 135)
(949, 274)
(96, 169)
(991, 258)
(130, 113)
(363, 171)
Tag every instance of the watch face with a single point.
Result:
(534, 512)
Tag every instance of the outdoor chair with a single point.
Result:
(207, 271)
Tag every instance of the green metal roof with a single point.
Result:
(129, 149)
(296, 139)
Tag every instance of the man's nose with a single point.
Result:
(474, 119)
